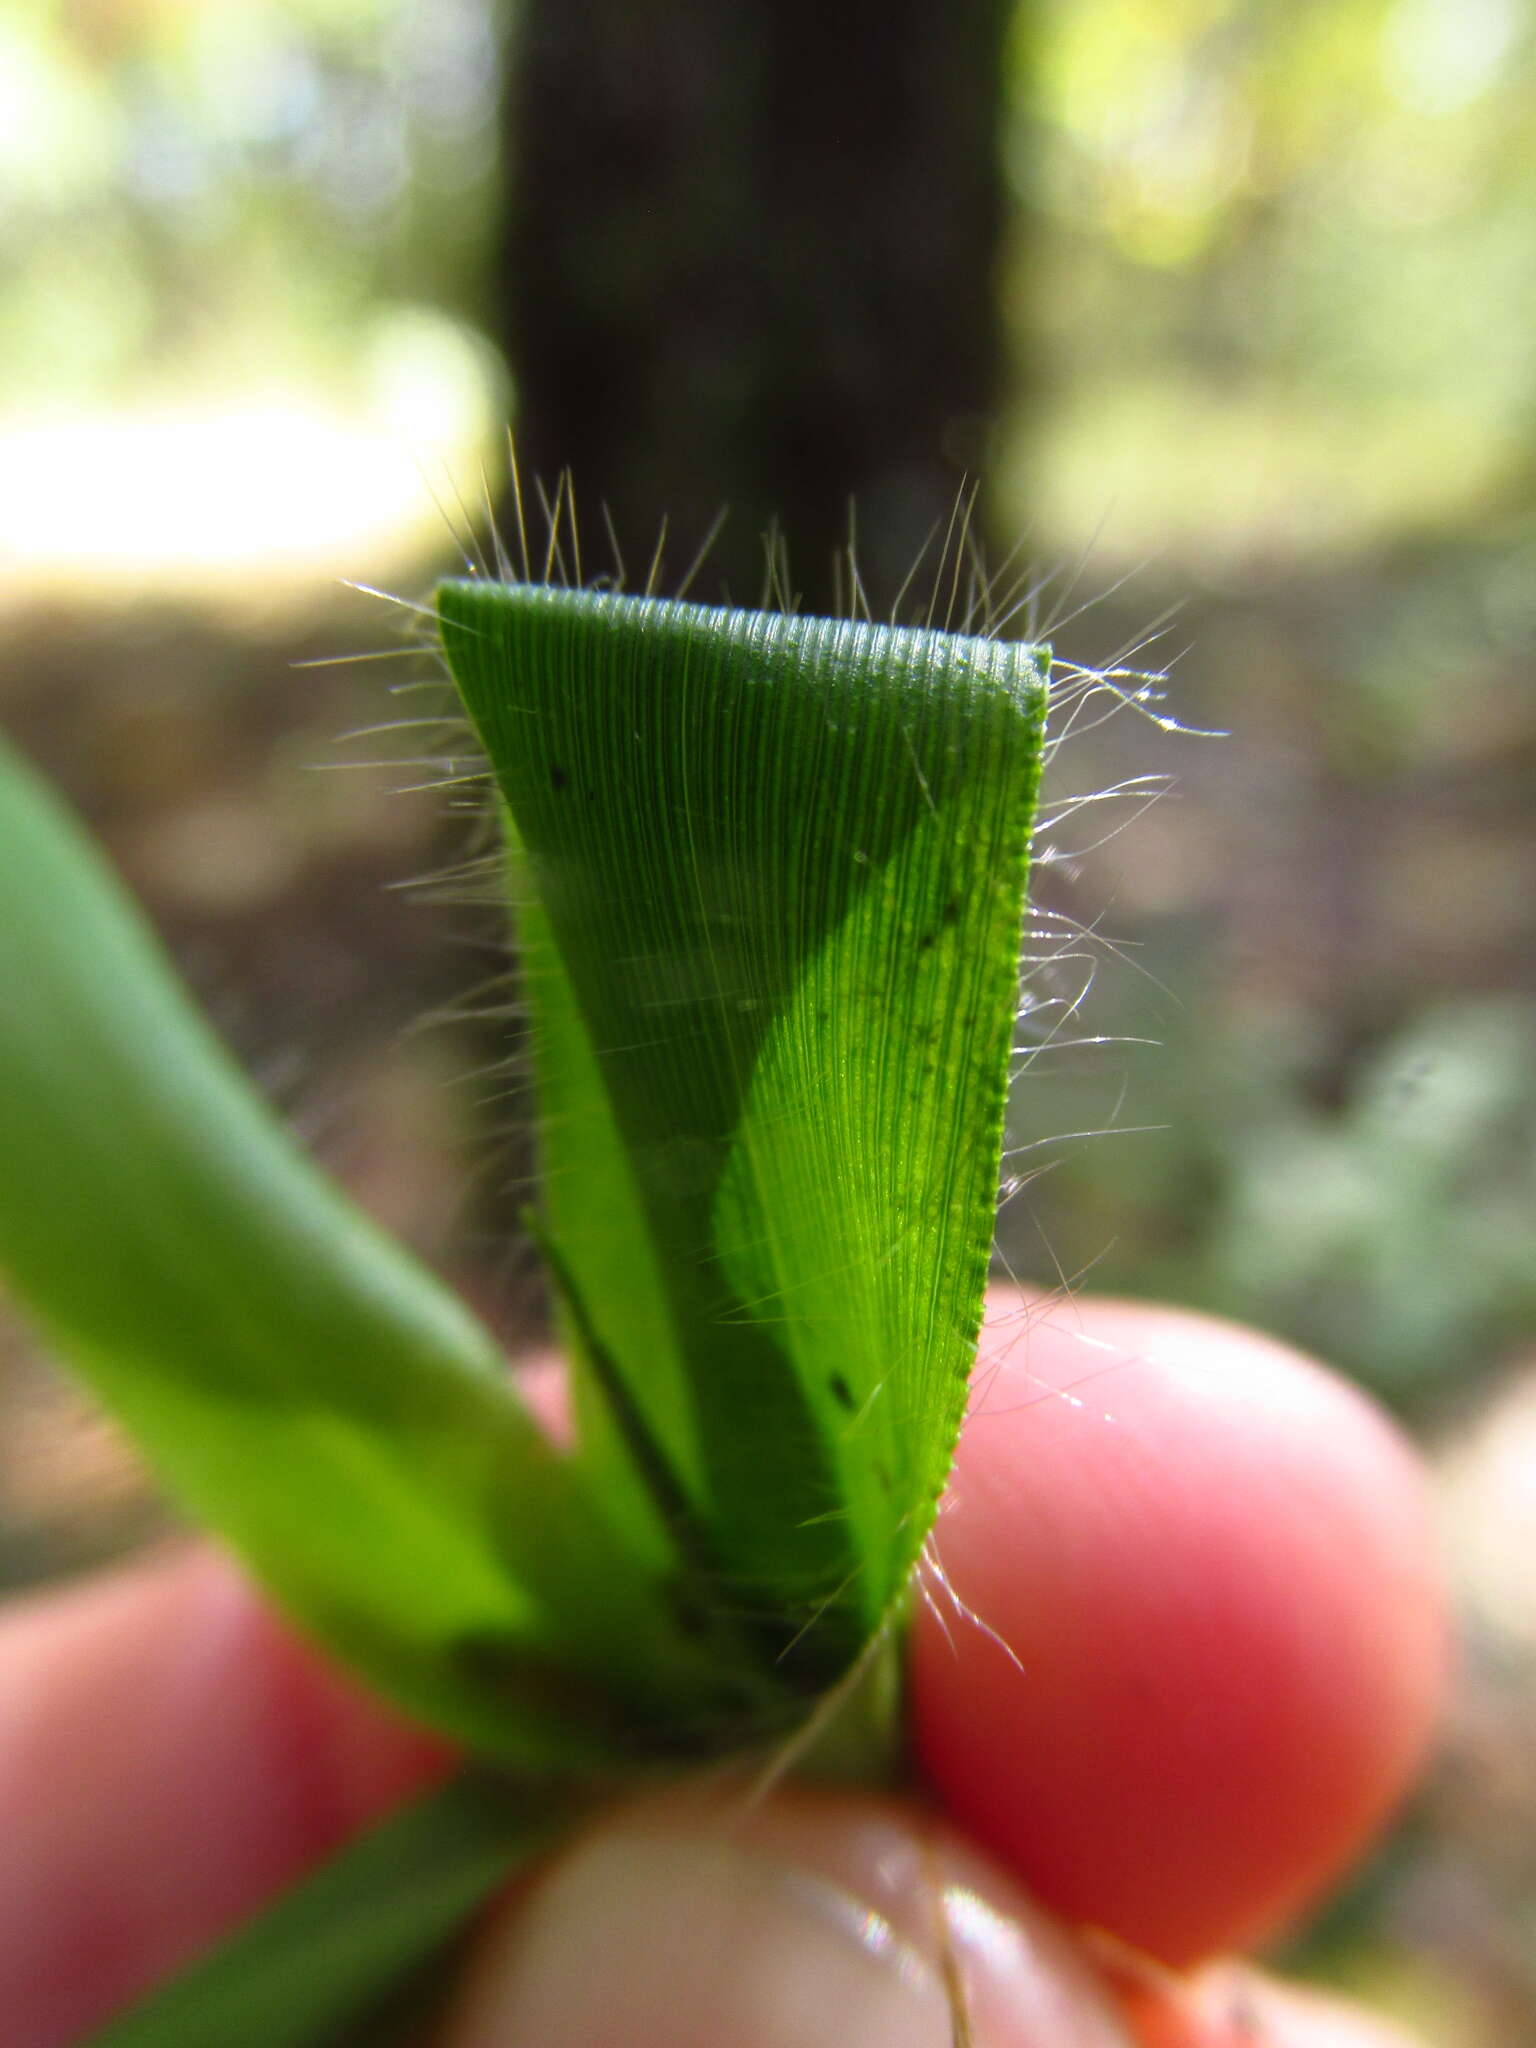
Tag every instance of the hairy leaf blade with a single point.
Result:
(779, 866)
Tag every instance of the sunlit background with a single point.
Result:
(1268, 294)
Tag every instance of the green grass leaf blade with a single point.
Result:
(341, 1959)
(303, 1385)
(778, 866)
(612, 1305)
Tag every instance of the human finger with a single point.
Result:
(1183, 1639)
(170, 1758)
(817, 1919)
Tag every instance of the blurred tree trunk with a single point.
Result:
(750, 259)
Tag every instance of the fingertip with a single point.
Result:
(170, 1757)
(822, 1919)
(1196, 1640)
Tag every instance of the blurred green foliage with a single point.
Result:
(1389, 1230)
(1395, 1230)
(211, 189)
(1289, 270)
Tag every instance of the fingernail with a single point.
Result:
(1009, 1971)
(1026, 1985)
(677, 1941)
(820, 1922)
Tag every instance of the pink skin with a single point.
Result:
(1200, 1645)
(170, 1756)
(1232, 1636)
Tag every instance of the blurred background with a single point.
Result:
(1222, 308)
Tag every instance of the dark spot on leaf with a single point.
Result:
(841, 1391)
(558, 779)
(951, 911)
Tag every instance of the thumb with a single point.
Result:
(819, 1920)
